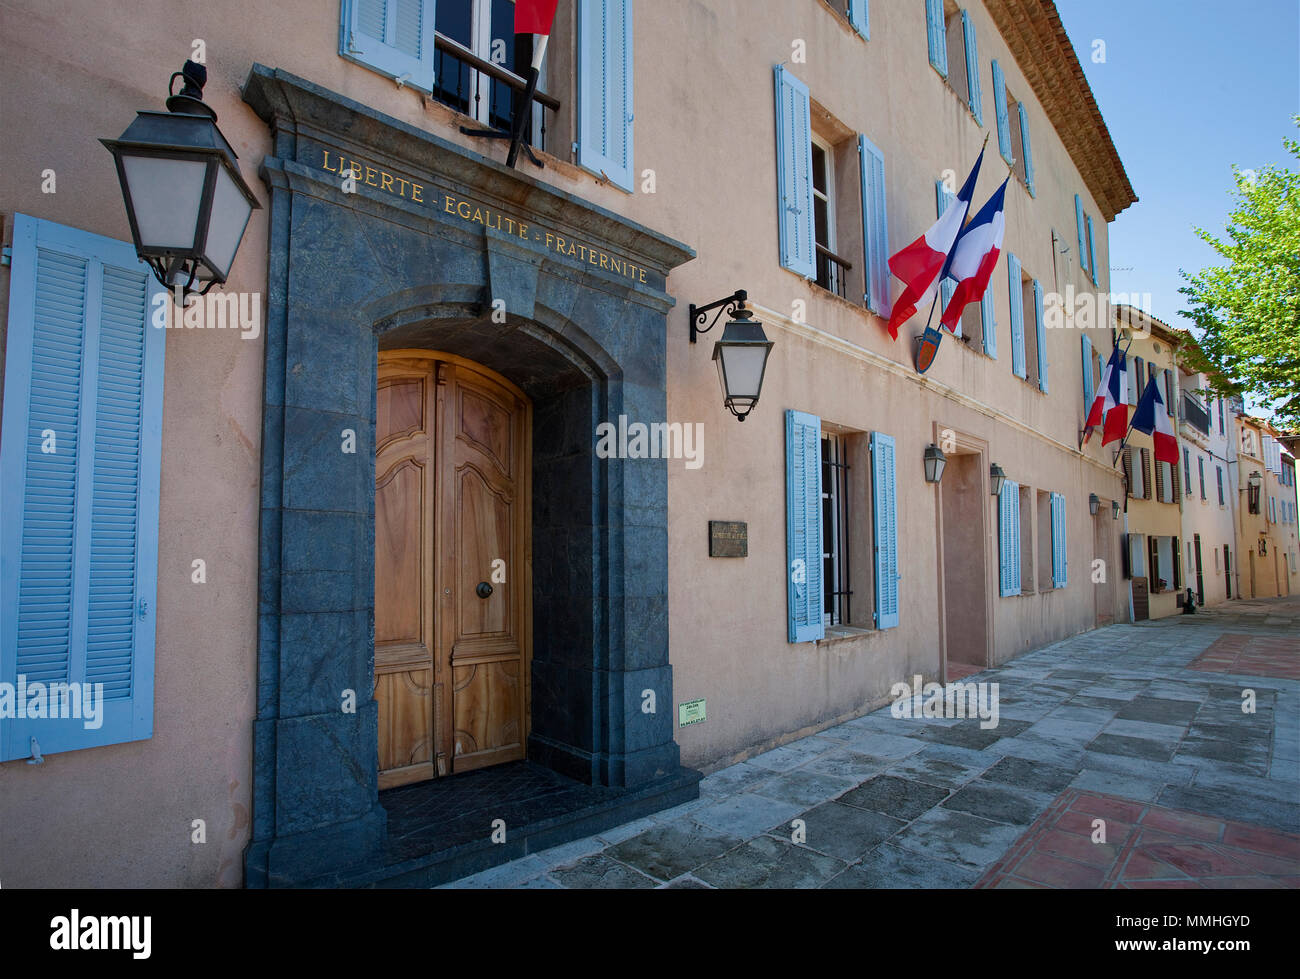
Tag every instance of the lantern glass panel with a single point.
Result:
(742, 369)
(230, 213)
(166, 194)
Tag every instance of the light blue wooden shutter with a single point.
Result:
(860, 17)
(1092, 251)
(394, 37)
(803, 525)
(1089, 390)
(78, 571)
(1000, 112)
(1078, 221)
(943, 198)
(1041, 332)
(884, 523)
(1017, 316)
(794, 171)
(1058, 541)
(937, 35)
(1026, 147)
(605, 104)
(1009, 539)
(990, 323)
(972, 68)
(875, 225)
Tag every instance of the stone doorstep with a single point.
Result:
(443, 864)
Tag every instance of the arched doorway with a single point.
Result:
(452, 566)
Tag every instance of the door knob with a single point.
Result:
(483, 590)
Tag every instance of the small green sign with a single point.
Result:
(691, 712)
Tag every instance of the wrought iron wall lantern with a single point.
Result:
(1253, 484)
(996, 478)
(1094, 503)
(935, 461)
(186, 201)
(740, 354)
(1114, 509)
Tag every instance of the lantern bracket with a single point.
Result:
(699, 314)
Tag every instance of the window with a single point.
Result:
(1089, 388)
(1220, 416)
(1187, 471)
(79, 478)
(857, 12)
(830, 273)
(1200, 466)
(1013, 130)
(1164, 554)
(1167, 392)
(1009, 539)
(1166, 476)
(1079, 227)
(823, 547)
(1135, 552)
(954, 52)
(1016, 287)
(1135, 470)
(393, 37)
(1218, 478)
(1092, 252)
(1051, 541)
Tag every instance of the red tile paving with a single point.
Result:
(1146, 846)
(1252, 655)
(959, 671)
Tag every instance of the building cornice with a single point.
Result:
(1037, 39)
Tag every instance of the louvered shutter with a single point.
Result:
(1160, 481)
(875, 226)
(972, 68)
(1000, 112)
(1200, 472)
(1026, 147)
(1126, 461)
(1169, 392)
(803, 526)
(78, 574)
(1187, 472)
(1174, 491)
(605, 103)
(1040, 332)
(1078, 222)
(1089, 390)
(1017, 316)
(1144, 460)
(989, 322)
(942, 199)
(1126, 555)
(884, 522)
(938, 36)
(1218, 478)
(394, 37)
(1058, 541)
(1092, 251)
(794, 171)
(1009, 538)
(860, 17)
(1153, 556)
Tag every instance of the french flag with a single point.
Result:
(975, 255)
(923, 263)
(1108, 408)
(534, 16)
(1150, 418)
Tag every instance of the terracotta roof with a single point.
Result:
(1037, 38)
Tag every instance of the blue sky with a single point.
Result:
(1188, 88)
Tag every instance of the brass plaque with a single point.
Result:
(728, 538)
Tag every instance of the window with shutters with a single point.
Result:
(837, 596)
(1051, 540)
(1017, 122)
(1026, 508)
(1200, 467)
(1028, 342)
(1009, 561)
(1144, 467)
(1135, 472)
(1218, 479)
(856, 12)
(1187, 471)
(955, 52)
(835, 185)
(79, 461)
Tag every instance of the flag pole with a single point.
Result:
(525, 113)
(930, 319)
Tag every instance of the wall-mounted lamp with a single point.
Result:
(1114, 509)
(741, 354)
(1253, 482)
(185, 199)
(996, 478)
(1094, 503)
(935, 460)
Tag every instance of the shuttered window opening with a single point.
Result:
(803, 493)
(1089, 387)
(1016, 288)
(1059, 551)
(884, 524)
(80, 465)
(875, 226)
(1078, 222)
(1092, 251)
(1009, 539)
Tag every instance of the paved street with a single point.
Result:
(1134, 731)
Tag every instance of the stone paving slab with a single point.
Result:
(1124, 724)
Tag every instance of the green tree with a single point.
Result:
(1247, 312)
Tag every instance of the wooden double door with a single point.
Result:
(452, 588)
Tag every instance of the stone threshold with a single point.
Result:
(441, 831)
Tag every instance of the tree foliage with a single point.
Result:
(1247, 311)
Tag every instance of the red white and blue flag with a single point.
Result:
(1108, 408)
(923, 264)
(1150, 418)
(534, 16)
(975, 255)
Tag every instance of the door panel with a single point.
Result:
(451, 512)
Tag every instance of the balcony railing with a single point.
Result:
(460, 83)
(832, 271)
(1195, 415)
